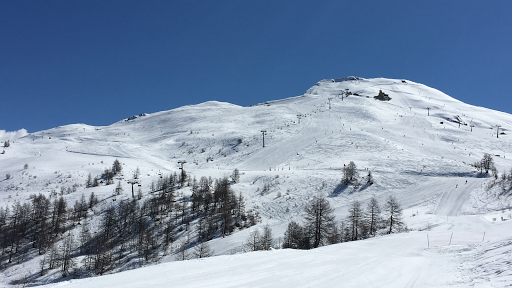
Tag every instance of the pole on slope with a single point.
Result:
(182, 162)
(483, 237)
(497, 130)
(428, 111)
(450, 240)
(428, 242)
(133, 182)
(264, 132)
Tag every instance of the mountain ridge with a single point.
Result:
(420, 147)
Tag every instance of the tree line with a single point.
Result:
(319, 227)
(106, 177)
(486, 164)
(130, 230)
(35, 227)
(351, 176)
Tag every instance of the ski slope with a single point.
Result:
(422, 156)
(400, 260)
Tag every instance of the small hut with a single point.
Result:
(382, 96)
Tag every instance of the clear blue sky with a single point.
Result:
(97, 62)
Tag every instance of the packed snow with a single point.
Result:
(419, 147)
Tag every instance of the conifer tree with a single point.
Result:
(372, 216)
(355, 220)
(66, 255)
(117, 167)
(253, 242)
(235, 176)
(349, 173)
(319, 219)
(203, 250)
(266, 239)
(136, 174)
(393, 215)
(182, 253)
(89, 182)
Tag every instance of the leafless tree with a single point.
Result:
(393, 213)
(319, 219)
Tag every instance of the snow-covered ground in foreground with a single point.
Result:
(399, 260)
(422, 156)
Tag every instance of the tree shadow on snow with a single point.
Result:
(365, 186)
(483, 175)
(342, 187)
(338, 190)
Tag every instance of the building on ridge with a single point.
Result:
(382, 96)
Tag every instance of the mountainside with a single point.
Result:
(419, 146)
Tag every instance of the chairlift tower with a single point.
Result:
(497, 130)
(133, 182)
(263, 133)
(182, 162)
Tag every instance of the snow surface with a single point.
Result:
(400, 260)
(411, 155)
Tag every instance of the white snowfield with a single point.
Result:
(418, 147)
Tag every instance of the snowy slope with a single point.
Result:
(420, 155)
(400, 260)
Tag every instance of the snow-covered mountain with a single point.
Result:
(419, 146)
